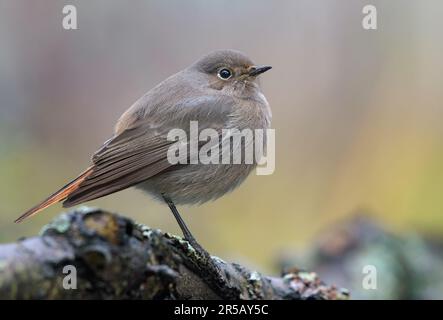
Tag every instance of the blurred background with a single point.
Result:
(358, 114)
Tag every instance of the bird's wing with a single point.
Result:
(140, 152)
(126, 160)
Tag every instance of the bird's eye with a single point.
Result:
(224, 74)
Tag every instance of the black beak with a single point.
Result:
(255, 71)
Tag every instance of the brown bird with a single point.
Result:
(219, 91)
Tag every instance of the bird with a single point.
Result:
(221, 90)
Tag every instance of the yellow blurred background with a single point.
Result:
(358, 114)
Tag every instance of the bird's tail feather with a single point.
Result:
(58, 196)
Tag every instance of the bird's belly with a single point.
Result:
(197, 183)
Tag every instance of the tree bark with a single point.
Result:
(93, 254)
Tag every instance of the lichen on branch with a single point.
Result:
(116, 258)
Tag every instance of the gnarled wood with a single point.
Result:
(115, 258)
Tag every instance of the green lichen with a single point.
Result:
(343, 294)
(189, 250)
(145, 231)
(254, 276)
(307, 276)
(218, 259)
(60, 224)
(255, 285)
(87, 210)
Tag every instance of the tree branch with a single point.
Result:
(115, 258)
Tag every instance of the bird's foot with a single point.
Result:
(209, 263)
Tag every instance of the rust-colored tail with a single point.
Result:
(58, 196)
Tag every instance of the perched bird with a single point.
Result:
(220, 90)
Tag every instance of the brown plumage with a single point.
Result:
(137, 153)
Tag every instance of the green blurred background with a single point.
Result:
(358, 114)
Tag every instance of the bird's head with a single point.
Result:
(230, 71)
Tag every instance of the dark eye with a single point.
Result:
(224, 74)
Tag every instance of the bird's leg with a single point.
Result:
(215, 276)
(186, 233)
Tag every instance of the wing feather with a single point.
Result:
(140, 152)
(122, 164)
